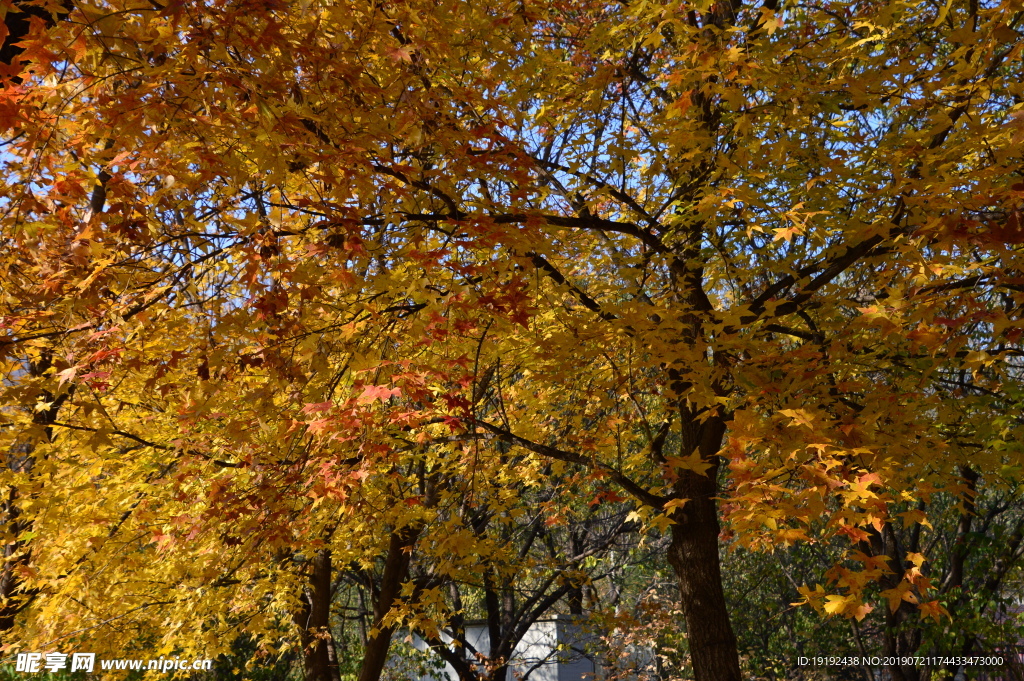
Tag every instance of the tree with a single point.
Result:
(723, 242)
(762, 588)
(538, 562)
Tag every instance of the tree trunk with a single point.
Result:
(14, 557)
(319, 661)
(693, 554)
(899, 641)
(396, 571)
(19, 459)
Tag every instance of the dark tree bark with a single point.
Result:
(319, 660)
(20, 459)
(693, 555)
(11, 602)
(396, 571)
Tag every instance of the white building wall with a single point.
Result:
(536, 658)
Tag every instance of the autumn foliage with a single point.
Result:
(297, 292)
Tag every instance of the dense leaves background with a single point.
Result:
(327, 323)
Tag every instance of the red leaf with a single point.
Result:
(312, 407)
(374, 392)
(400, 54)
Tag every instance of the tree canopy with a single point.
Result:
(302, 291)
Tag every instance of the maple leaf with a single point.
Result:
(67, 375)
(672, 505)
(318, 426)
(915, 516)
(403, 54)
(901, 592)
(693, 462)
(861, 487)
(934, 610)
(835, 605)
(800, 417)
(372, 393)
(860, 611)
